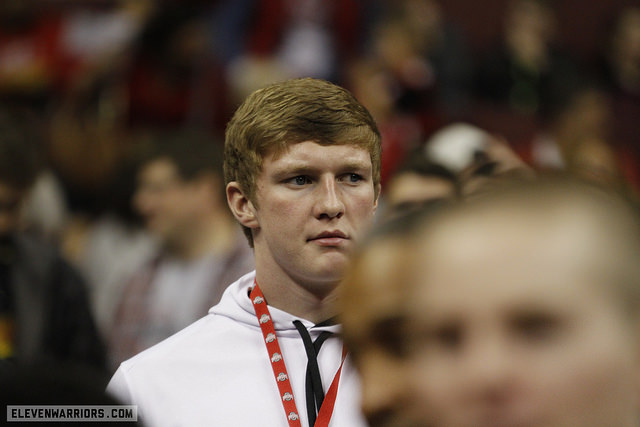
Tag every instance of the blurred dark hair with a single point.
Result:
(20, 156)
(167, 19)
(193, 152)
(417, 162)
(562, 97)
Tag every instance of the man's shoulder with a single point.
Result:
(228, 325)
(202, 333)
(208, 350)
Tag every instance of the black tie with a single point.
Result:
(313, 382)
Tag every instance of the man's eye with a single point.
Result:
(300, 180)
(354, 177)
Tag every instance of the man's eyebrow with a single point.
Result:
(297, 168)
(303, 167)
(355, 165)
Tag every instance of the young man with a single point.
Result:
(181, 198)
(302, 166)
(45, 314)
(524, 309)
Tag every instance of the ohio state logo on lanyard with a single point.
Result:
(280, 370)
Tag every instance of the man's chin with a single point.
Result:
(334, 267)
(325, 279)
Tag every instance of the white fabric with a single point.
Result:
(113, 252)
(546, 153)
(216, 372)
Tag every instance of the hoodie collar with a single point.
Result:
(235, 304)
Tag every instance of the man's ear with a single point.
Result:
(377, 199)
(241, 207)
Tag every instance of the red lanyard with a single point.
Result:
(280, 370)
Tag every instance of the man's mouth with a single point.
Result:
(329, 238)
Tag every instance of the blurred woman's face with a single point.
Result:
(511, 326)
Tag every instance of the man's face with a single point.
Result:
(510, 325)
(313, 202)
(373, 319)
(166, 202)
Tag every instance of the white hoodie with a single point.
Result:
(216, 372)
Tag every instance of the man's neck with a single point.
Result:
(285, 294)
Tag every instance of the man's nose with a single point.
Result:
(329, 203)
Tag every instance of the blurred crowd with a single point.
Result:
(110, 107)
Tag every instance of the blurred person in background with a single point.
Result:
(579, 139)
(32, 70)
(45, 314)
(522, 69)
(97, 36)
(173, 76)
(478, 159)
(48, 49)
(87, 133)
(266, 41)
(621, 62)
(180, 197)
(415, 77)
(110, 245)
(523, 309)
(619, 66)
(417, 182)
(89, 151)
(516, 74)
(427, 56)
(374, 293)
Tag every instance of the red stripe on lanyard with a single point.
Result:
(280, 370)
(275, 356)
(326, 410)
